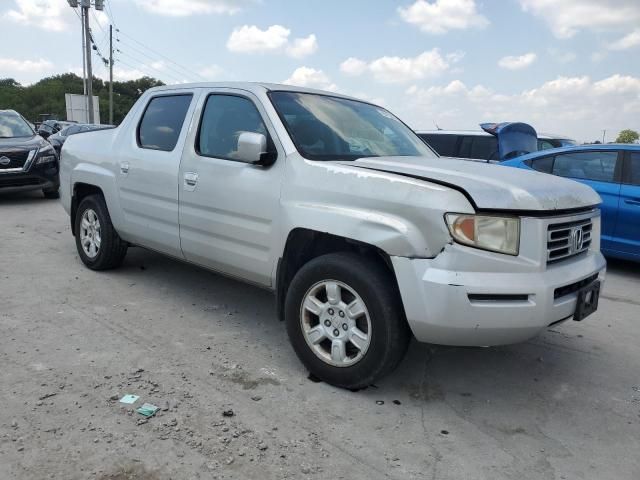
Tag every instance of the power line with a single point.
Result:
(160, 54)
(109, 12)
(173, 77)
(184, 73)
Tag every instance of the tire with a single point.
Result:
(353, 367)
(51, 194)
(109, 249)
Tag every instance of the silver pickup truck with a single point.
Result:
(365, 236)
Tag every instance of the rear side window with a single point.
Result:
(598, 166)
(633, 169)
(547, 144)
(162, 122)
(225, 117)
(444, 145)
(485, 148)
(544, 164)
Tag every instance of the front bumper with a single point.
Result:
(505, 306)
(38, 177)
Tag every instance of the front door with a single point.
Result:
(628, 225)
(148, 173)
(601, 171)
(229, 210)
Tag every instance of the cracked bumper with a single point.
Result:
(449, 306)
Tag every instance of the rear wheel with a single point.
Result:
(345, 320)
(99, 245)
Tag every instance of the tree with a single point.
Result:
(627, 136)
(47, 95)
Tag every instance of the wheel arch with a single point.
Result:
(80, 191)
(303, 245)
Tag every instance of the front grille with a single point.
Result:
(565, 240)
(16, 159)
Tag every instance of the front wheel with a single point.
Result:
(345, 320)
(99, 245)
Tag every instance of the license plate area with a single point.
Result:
(587, 302)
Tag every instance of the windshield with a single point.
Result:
(13, 125)
(332, 128)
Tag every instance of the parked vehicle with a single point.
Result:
(611, 170)
(362, 232)
(27, 161)
(50, 127)
(58, 139)
(482, 144)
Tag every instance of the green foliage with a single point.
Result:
(47, 96)
(627, 136)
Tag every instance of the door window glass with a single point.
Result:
(162, 122)
(634, 169)
(599, 166)
(465, 147)
(444, 145)
(485, 148)
(543, 164)
(225, 117)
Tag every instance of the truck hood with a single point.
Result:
(489, 186)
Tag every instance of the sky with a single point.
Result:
(569, 67)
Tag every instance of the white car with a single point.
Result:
(364, 235)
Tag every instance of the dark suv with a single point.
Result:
(27, 161)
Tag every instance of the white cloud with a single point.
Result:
(51, 15)
(568, 17)
(441, 16)
(312, 78)
(302, 47)
(517, 62)
(574, 106)
(251, 39)
(184, 8)
(628, 41)
(403, 69)
(353, 66)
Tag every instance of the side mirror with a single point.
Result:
(44, 133)
(251, 147)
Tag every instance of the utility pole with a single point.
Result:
(111, 74)
(604, 132)
(86, 4)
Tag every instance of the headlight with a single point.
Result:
(46, 155)
(488, 232)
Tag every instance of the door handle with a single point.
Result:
(632, 202)
(190, 181)
(124, 168)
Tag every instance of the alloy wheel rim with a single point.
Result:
(335, 323)
(90, 233)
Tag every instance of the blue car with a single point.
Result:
(611, 170)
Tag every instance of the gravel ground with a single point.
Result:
(236, 403)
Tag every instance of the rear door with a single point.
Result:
(628, 225)
(148, 171)
(601, 170)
